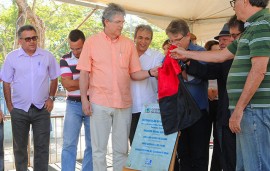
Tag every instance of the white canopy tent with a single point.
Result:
(205, 17)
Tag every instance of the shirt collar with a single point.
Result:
(191, 46)
(108, 38)
(255, 16)
(147, 52)
(73, 56)
(23, 53)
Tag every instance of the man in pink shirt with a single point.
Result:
(30, 83)
(107, 62)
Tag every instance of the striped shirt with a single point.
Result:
(255, 41)
(68, 65)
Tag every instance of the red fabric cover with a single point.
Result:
(168, 81)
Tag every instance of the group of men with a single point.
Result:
(245, 67)
(108, 77)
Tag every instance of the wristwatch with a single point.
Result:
(52, 98)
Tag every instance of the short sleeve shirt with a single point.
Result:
(255, 41)
(110, 64)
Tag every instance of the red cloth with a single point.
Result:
(178, 109)
(168, 81)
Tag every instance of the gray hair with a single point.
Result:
(26, 27)
(112, 10)
(143, 27)
(178, 26)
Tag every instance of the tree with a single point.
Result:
(7, 30)
(26, 13)
(59, 19)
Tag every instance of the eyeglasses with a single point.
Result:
(235, 35)
(232, 3)
(118, 22)
(28, 39)
(176, 40)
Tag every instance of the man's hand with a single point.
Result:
(154, 71)
(212, 94)
(10, 107)
(49, 105)
(86, 107)
(2, 116)
(178, 53)
(235, 120)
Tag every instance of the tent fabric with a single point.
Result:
(178, 109)
(205, 17)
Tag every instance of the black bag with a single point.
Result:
(179, 111)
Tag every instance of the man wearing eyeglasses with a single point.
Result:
(193, 145)
(248, 84)
(107, 63)
(30, 83)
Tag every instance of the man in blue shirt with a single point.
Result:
(193, 145)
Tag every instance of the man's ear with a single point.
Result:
(188, 35)
(106, 22)
(246, 3)
(19, 41)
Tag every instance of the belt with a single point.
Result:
(34, 107)
(75, 99)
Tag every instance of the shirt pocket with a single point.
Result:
(124, 60)
(42, 69)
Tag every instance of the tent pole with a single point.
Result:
(86, 18)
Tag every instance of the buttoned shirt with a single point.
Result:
(197, 87)
(29, 77)
(254, 41)
(145, 91)
(110, 64)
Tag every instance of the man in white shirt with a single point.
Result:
(144, 91)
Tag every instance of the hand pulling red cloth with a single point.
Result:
(177, 107)
(167, 76)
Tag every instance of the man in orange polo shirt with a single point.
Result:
(107, 62)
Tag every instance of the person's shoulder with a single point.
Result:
(14, 54)
(92, 39)
(126, 39)
(154, 53)
(66, 56)
(94, 36)
(265, 16)
(196, 47)
(44, 51)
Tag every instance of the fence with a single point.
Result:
(56, 140)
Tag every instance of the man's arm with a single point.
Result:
(207, 71)
(69, 84)
(84, 85)
(205, 56)
(7, 94)
(53, 88)
(254, 79)
(143, 74)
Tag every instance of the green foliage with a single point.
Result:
(60, 19)
(8, 18)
